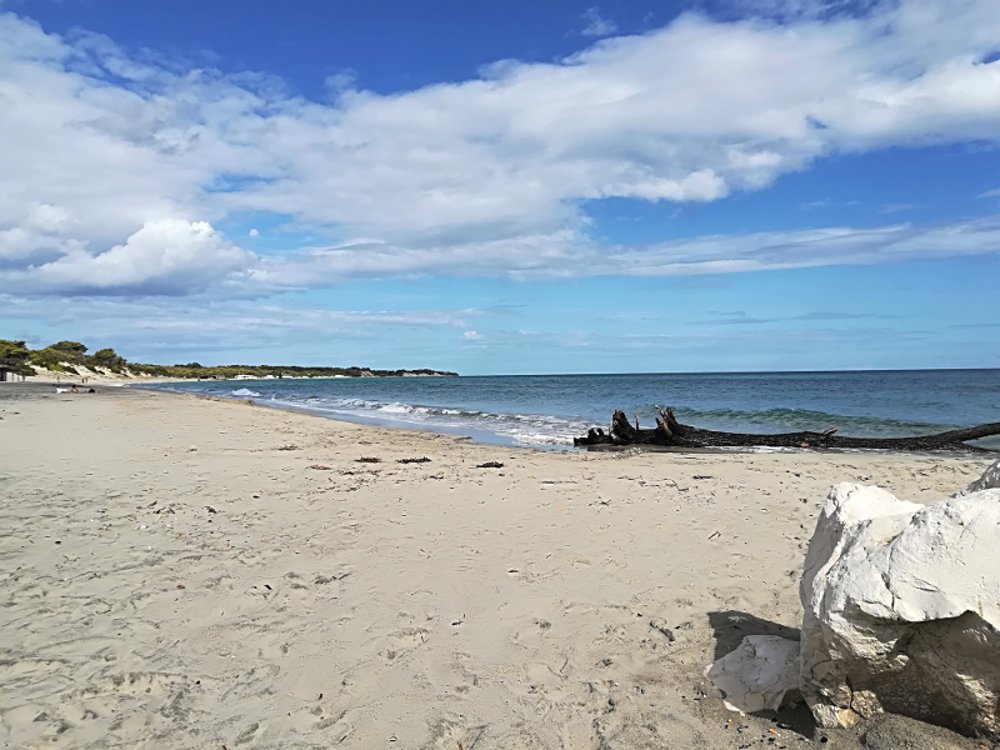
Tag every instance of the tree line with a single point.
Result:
(68, 357)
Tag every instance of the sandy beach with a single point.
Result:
(189, 573)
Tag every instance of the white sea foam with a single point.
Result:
(396, 408)
(245, 393)
(520, 429)
(540, 439)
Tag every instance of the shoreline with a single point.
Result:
(375, 422)
(549, 413)
(485, 437)
(192, 572)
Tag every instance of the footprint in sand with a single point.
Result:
(127, 699)
(136, 683)
(533, 634)
(248, 734)
(335, 728)
(403, 641)
(454, 733)
(14, 671)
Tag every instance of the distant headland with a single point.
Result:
(69, 359)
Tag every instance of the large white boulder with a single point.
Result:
(902, 610)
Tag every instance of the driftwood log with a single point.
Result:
(671, 433)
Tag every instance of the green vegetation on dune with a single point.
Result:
(14, 358)
(64, 356)
(67, 356)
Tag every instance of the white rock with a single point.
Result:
(902, 610)
(758, 674)
(989, 480)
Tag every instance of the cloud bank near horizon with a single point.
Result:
(118, 171)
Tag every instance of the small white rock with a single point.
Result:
(759, 674)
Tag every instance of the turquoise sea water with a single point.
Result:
(548, 410)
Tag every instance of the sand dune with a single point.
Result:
(202, 574)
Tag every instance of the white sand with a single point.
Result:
(173, 577)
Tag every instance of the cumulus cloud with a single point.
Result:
(488, 175)
(169, 256)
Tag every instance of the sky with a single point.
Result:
(505, 187)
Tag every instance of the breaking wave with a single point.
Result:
(535, 430)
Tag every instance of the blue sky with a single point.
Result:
(507, 187)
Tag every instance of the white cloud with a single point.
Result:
(178, 257)
(995, 193)
(809, 248)
(344, 80)
(41, 228)
(801, 9)
(472, 336)
(253, 233)
(597, 25)
(568, 254)
(489, 175)
(169, 256)
(821, 203)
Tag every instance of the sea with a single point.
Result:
(547, 411)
